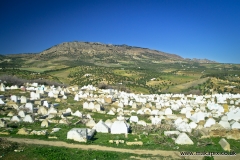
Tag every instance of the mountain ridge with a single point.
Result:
(93, 48)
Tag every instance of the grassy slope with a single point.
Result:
(39, 152)
(134, 73)
(180, 87)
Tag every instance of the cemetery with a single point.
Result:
(89, 115)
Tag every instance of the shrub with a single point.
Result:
(14, 80)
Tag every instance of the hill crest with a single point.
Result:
(92, 48)
(96, 49)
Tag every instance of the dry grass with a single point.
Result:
(126, 73)
(180, 87)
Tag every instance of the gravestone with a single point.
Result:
(23, 99)
(183, 139)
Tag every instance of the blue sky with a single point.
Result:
(189, 28)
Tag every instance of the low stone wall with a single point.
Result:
(116, 141)
(229, 134)
(139, 143)
(5, 133)
(53, 137)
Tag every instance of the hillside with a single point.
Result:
(109, 53)
(134, 69)
(99, 50)
(72, 54)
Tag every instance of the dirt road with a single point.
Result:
(155, 153)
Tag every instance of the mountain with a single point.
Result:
(106, 51)
(109, 53)
(71, 54)
(200, 60)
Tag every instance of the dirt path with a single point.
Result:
(155, 153)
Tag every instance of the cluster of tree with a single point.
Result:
(10, 80)
(108, 75)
